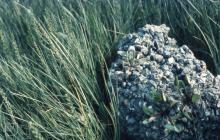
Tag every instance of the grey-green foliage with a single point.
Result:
(48, 72)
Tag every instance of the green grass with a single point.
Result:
(53, 53)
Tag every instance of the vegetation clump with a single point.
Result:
(164, 91)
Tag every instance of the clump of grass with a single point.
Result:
(48, 75)
(53, 82)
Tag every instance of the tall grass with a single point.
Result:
(53, 53)
(49, 86)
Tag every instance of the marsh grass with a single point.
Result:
(53, 69)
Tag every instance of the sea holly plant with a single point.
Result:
(184, 86)
(175, 113)
(149, 110)
(153, 111)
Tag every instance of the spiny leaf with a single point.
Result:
(148, 110)
(187, 79)
(186, 114)
(170, 127)
(156, 96)
(176, 82)
(145, 121)
(175, 128)
(164, 97)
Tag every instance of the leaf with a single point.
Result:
(170, 127)
(175, 117)
(179, 128)
(148, 110)
(153, 118)
(156, 96)
(182, 84)
(145, 121)
(187, 79)
(176, 82)
(196, 98)
(164, 97)
(186, 114)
